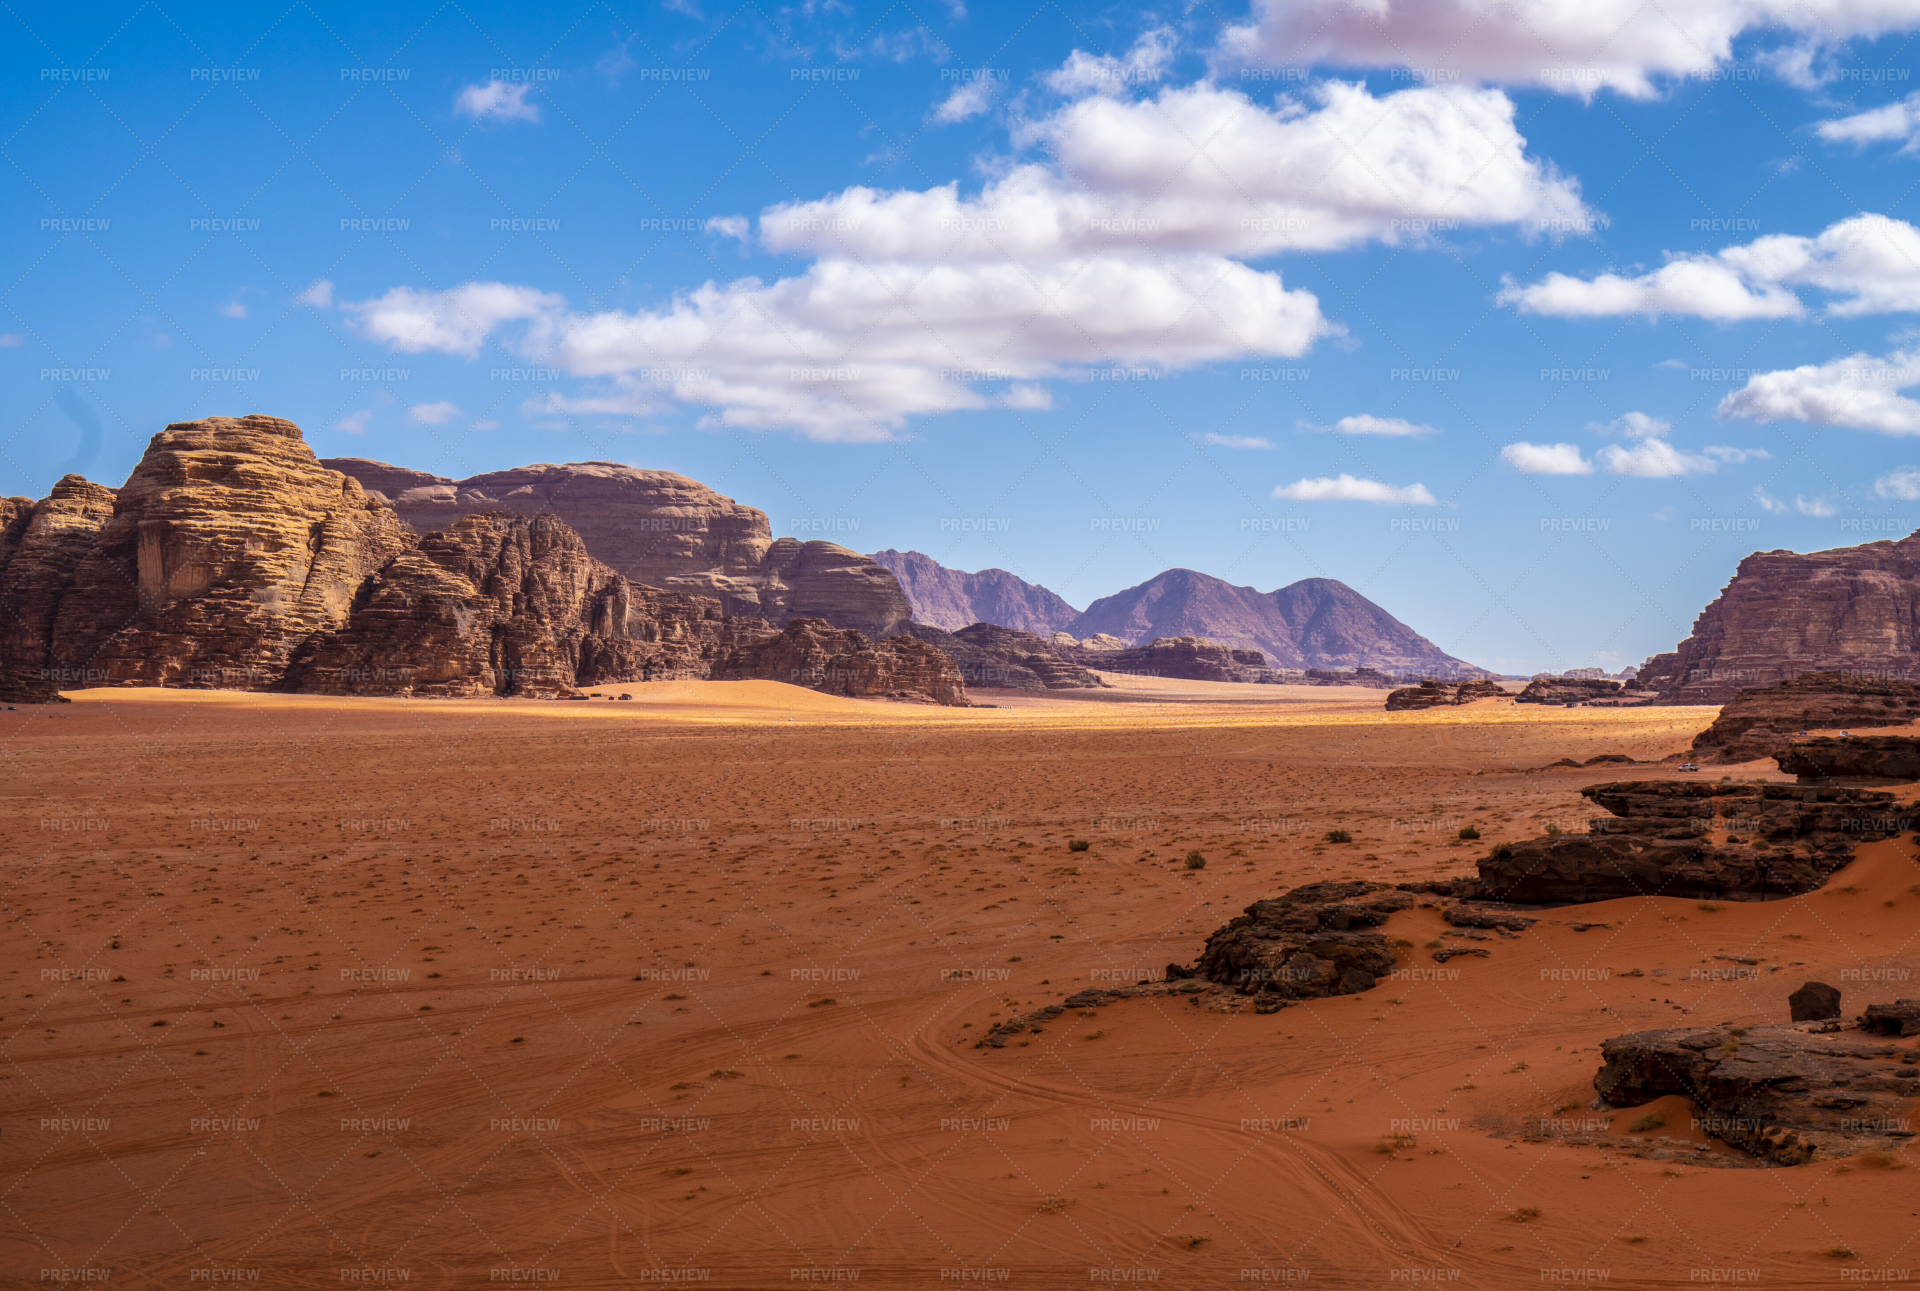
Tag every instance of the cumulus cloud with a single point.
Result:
(318, 296)
(1859, 392)
(1121, 246)
(1634, 425)
(1878, 125)
(1622, 45)
(435, 414)
(730, 226)
(1654, 459)
(1348, 489)
(1235, 441)
(1027, 398)
(1392, 427)
(1085, 73)
(1546, 459)
(969, 99)
(500, 100)
(1901, 484)
(1869, 264)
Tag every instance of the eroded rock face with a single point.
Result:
(1315, 941)
(840, 661)
(504, 605)
(1183, 658)
(41, 544)
(1761, 719)
(1786, 613)
(1442, 694)
(1567, 690)
(1863, 757)
(1793, 1093)
(994, 657)
(1697, 839)
(227, 547)
(663, 530)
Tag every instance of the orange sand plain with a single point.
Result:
(304, 992)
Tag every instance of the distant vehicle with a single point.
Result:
(1689, 766)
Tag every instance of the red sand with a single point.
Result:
(683, 991)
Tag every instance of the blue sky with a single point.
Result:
(1527, 326)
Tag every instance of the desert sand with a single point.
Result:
(683, 990)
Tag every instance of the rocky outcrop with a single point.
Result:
(41, 544)
(1315, 941)
(227, 548)
(1760, 719)
(1368, 678)
(839, 661)
(1443, 694)
(662, 530)
(1183, 658)
(1852, 757)
(503, 605)
(952, 599)
(1785, 613)
(1000, 658)
(1567, 690)
(1699, 839)
(232, 559)
(1314, 623)
(1790, 1093)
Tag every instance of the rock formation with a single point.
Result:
(1784, 613)
(1315, 941)
(1708, 840)
(1814, 1002)
(1314, 623)
(1006, 659)
(952, 599)
(1790, 1093)
(1184, 658)
(41, 544)
(232, 559)
(1442, 694)
(662, 530)
(503, 605)
(227, 547)
(1567, 690)
(1852, 757)
(1759, 720)
(840, 661)
(1369, 678)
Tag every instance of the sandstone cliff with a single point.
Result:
(839, 661)
(1005, 658)
(1855, 609)
(1758, 720)
(41, 543)
(1183, 658)
(952, 599)
(661, 530)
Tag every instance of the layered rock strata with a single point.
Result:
(663, 530)
(1443, 694)
(1567, 690)
(839, 661)
(41, 544)
(1784, 613)
(1893, 758)
(1181, 658)
(1790, 1093)
(1759, 719)
(1697, 839)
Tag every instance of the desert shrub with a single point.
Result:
(1079, 845)
(1195, 861)
(1339, 836)
(1468, 833)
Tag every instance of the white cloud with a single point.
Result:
(1901, 483)
(1859, 392)
(1393, 427)
(435, 414)
(1634, 425)
(502, 100)
(1768, 503)
(1028, 398)
(730, 226)
(1546, 459)
(1818, 507)
(318, 296)
(355, 423)
(1582, 48)
(233, 309)
(1145, 63)
(1235, 441)
(1121, 246)
(1878, 125)
(11, 341)
(969, 99)
(1869, 264)
(487, 424)
(1654, 459)
(1736, 456)
(1348, 489)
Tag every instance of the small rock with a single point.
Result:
(1814, 1002)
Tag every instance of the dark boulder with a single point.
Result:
(1814, 1002)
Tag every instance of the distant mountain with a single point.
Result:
(952, 599)
(1314, 623)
